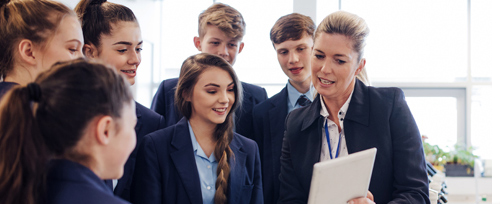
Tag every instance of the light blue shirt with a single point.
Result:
(207, 169)
(294, 95)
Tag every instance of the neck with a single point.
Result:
(203, 131)
(303, 87)
(20, 75)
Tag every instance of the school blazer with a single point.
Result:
(164, 104)
(166, 169)
(71, 182)
(269, 127)
(147, 122)
(377, 117)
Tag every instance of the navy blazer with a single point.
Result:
(164, 104)
(147, 122)
(166, 169)
(70, 182)
(377, 117)
(269, 127)
(6, 86)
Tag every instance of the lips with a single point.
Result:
(220, 111)
(296, 70)
(130, 72)
(325, 82)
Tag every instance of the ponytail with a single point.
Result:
(22, 150)
(224, 135)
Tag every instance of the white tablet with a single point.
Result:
(342, 179)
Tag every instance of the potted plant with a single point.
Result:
(460, 162)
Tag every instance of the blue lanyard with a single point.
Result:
(328, 140)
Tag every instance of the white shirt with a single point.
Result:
(334, 132)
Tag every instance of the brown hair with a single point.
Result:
(224, 17)
(347, 24)
(97, 16)
(47, 118)
(31, 19)
(191, 70)
(291, 27)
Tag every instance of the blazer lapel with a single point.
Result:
(138, 113)
(237, 175)
(277, 117)
(183, 158)
(357, 117)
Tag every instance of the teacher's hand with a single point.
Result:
(368, 200)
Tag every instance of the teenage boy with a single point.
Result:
(292, 38)
(220, 29)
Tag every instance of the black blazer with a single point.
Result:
(164, 104)
(70, 182)
(147, 122)
(269, 127)
(166, 169)
(377, 117)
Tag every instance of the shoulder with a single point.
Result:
(244, 143)
(146, 112)
(80, 193)
(253, 89)
(168, 84)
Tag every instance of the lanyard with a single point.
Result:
(328, 140)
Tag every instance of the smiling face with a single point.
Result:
(216, 42)
(66, 44)
(122, 49)
(334, 66)
(212, 97)
(294, 57)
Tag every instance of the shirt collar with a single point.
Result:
(342, 111)
(294, 95)
(196, 146)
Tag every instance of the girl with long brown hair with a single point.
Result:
(62, 134)
(33, 36)
(200, 159)
(112, 35)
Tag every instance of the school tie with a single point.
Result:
(303, 101)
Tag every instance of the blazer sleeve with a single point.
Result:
(290, 189)
(158, 104)
(146, 186)
(410, 177)
(257, 193)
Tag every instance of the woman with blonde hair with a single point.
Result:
(200, 159)
(346, 117)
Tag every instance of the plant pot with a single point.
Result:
(458, 170)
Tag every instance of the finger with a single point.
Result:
(370, 196)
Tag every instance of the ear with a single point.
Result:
(27, 51)
(361, 66)
(197, 43)
(90, 51)
(242, 44)
(186, 96)
(105, 128)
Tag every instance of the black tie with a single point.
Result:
(303, 101)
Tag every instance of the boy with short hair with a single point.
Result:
(220, 32)
(292, 37)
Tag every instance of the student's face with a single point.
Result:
(124, 140)
(122, 49)
(65, 45)
(212, 97)
(294, 57)
(217, 43)
(334, 65)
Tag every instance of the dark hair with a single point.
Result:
(291, 27)
(30, 19)
(97, 17)
(224, 17)
(47, 118)
(191, 70)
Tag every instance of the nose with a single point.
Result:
(79, 54)
(326, 68)
(134, 58)
(223, 51)
(294, 58)
(223, 97)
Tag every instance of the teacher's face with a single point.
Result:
(334, 65)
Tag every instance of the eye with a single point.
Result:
(72, 50)
(138, 49)
(211, 92)
(122, 50)
(215, 43)
(283, 52)
(340, 62)
(232, 45)
(300, 49)
(230, 89)
(319, 56)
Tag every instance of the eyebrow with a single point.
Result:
(336, 55)
(126, 43)
(217, 85)
(76, 40)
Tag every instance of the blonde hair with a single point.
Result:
(351, 26)
(224, 17)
